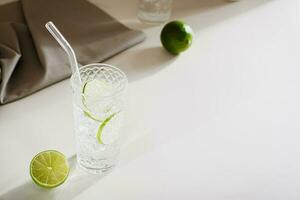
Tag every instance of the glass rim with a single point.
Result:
(75, 83)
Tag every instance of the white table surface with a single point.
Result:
(219, 122)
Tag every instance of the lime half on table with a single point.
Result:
(49, 169)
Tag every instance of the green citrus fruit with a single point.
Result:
(49, 169)
(176, 37)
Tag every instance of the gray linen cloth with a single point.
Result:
(30, 59)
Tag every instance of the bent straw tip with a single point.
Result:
(49, 23)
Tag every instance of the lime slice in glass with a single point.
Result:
(106, 137)
(93, 91)
(49, 169)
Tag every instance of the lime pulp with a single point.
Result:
(49, 169)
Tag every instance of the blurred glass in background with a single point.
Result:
(154, 11)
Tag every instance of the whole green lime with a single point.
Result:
(176, 37)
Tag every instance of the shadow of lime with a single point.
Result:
(77, 182)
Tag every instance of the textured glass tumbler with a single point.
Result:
(98, 108)
(154, 11)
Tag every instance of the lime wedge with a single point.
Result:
(105, 138)
(49, 169)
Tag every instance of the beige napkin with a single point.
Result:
(30, 59)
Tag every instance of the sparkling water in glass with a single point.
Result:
(154, 11)
(98, 105)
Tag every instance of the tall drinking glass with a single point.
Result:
(98, 105)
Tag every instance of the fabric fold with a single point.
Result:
(30, 59)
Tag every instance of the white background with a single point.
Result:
(219, 122)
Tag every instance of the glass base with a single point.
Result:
(90, 170)
(98, 162)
